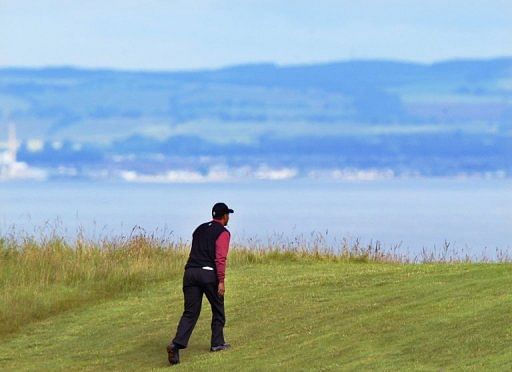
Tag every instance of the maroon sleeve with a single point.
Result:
(221, 254)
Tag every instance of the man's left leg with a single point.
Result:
(193, 295)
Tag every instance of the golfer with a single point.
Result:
(204, 273)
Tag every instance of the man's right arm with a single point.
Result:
(221, 254)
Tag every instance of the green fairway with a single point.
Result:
(291, 314)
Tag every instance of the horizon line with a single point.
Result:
(253, 64)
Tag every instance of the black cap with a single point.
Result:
(220, 209)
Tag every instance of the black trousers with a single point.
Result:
(197, 281)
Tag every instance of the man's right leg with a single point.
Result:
(193, 298)
(218, 316)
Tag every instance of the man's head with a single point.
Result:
(220, 211)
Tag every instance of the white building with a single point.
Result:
(10, 167)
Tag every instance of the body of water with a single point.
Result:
(473, 215)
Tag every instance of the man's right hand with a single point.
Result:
(221, 289)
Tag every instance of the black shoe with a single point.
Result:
(220, 347)
(173, 354)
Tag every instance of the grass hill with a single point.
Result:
(115, 305)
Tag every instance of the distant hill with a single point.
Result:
(441, 118)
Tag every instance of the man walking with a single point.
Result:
(204, 273)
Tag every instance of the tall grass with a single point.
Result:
(47, 274)
(41, 277)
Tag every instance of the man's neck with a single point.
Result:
(219, 221)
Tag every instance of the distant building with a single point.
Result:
(10, 167)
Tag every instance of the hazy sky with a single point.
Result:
(188, 34)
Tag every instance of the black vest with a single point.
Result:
(203, 245)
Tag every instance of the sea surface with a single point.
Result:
(473, 215)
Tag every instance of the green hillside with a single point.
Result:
(285, 311)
